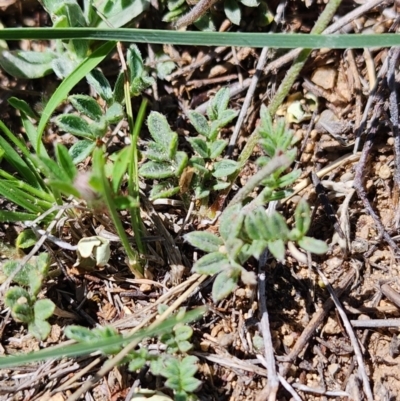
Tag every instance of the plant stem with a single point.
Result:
(274, 164)
(105, 189)
(133, 182)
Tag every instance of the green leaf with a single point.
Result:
(224, 284)
(217, 147)
(119, 12)
(69, 82)
(120, 167)
(224, 168)
(164, 66)
(156, 170)
(138, 76)
(22, 312)
(278, 226)
(101, 85)
(189, 367)
(181, 161)
(183, 333)
(220, 185)
(79, 333)
(161, 131)
(226, 117)
(199, 122)
(231, 222)
(136, 364)
(156, 152)
(27, 64)
(40, 329)
(26, 239)
(163, 190)
(233, 247)
(258, 226)
(257, 248)
(74, 125)
(118, 93)
(191, 384)
(65, 161)
(313, 245)
(14, 294)
(185, 346)
(199, 146)
(66, 188)
(23, 106)
(211, 263)
(115, 113)
(87, 106)
(51, 169)
(302, 216)
(80, 150)
(44, 309)
(199, 164)
(175, 4)
(288, 179)
(277, 248)
(218, 104)
(204, 240)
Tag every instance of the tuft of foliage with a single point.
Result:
(69, 53)
(205, 171)
(246, 229)
(23, 299)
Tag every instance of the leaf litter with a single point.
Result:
(313, 353)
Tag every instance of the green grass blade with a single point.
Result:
(12, 217)
(87, 348)
(26, 187)
(21, 198)
(18, 163)
(63, 90)
(278, 40)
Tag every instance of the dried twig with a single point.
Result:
(316, 320)
(394, 113)
(353, 338)
(358, 185)
(254, 82)
(195, 13)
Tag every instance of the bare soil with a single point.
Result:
(312, 348)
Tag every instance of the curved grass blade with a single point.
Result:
(63, 90)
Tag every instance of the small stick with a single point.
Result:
(316, 320)
(195, 13)
(358, 185)
(375, 323)
(353, 338)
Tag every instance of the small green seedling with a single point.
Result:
(246, 229)
(23, 299)
(167, 164)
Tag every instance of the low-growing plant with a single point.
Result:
(174, 365)
(67, 54)
(22, 299)
(178, 12)
(205, 171)
(246, 229)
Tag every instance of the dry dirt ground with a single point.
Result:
(313, 350)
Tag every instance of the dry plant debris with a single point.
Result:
(344, 112)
